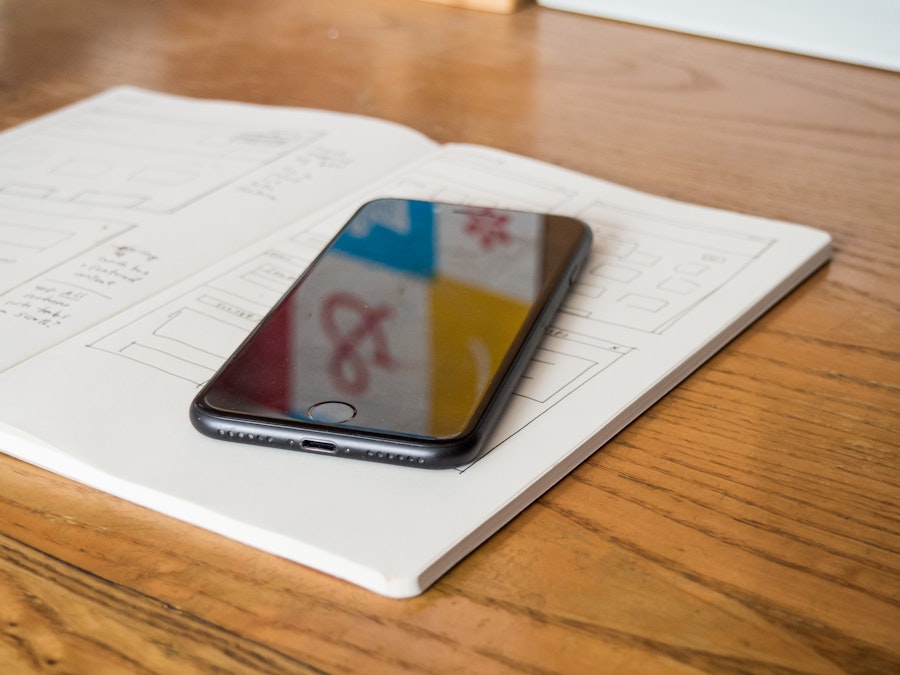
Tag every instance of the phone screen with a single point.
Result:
(405, 325)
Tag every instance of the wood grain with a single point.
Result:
(747, 523)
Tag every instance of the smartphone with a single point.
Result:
(404, 339)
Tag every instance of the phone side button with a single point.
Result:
(573, 278)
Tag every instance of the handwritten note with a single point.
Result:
(51, 300)
(275, 183)
(124, 265)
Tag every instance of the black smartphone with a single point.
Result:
(403, 339)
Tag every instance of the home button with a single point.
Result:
(331, 412)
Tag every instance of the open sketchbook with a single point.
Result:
(142, 236)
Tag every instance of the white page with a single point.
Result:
(106, 202)
(666, 286)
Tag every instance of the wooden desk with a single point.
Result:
(749, 522)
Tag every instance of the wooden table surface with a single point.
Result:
(749, 522)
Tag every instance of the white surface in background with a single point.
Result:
(866, 32)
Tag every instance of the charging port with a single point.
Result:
(318, 446)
